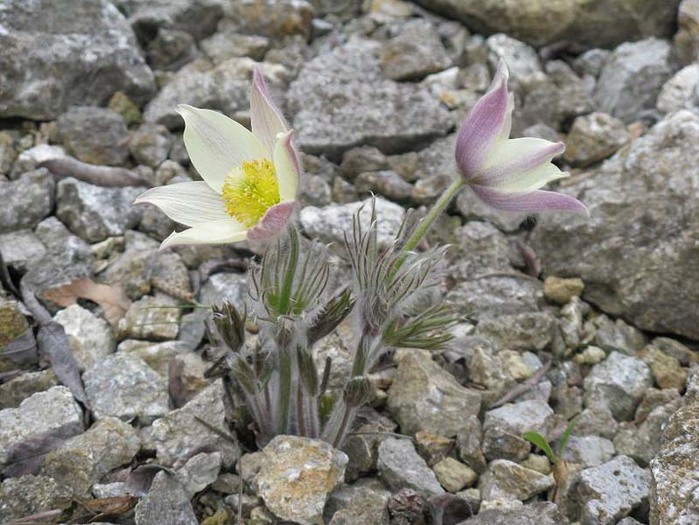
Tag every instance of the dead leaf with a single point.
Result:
(110, 297)
(107, 176)
(54, 344)
(22, 349)
(113, 506)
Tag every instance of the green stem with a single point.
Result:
(436, 210)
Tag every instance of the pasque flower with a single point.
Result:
(249, 178)
(505, 173)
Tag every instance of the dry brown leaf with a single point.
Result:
(110, 297)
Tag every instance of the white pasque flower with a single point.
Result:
(249, 178)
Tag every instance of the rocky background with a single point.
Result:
(563, 317)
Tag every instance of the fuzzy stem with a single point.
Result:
(436, 210)
(343, 429)
(300, 416)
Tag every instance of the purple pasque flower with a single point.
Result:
(250, 178)
(505, 173)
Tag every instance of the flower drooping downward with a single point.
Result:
(505, 173)
(249, 179)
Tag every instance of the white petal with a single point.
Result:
(266, 119)
(188, 203)
(216, 232)
(516, 156)
(287, 166)
(531, 180)
(216, 144)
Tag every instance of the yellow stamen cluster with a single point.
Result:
(249, 191)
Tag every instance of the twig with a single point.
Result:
(523, 387)
(107, 176)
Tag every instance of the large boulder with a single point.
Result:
(585, 23)
(342, 99)
(638, 251)
(58, 54)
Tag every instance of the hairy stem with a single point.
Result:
(436, 210)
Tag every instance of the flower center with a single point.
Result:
(250, 190)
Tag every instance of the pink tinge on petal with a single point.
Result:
(482, 127)
(273, 223)
(529, 202)
(266, 119)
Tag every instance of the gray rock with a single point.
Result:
(151, 318)
(45, 416)
(170, 49)
(225, 88)
(553, 99)
(132, 270)
(21, 249)
(616, 335)
(518, 418)
(16, 390)
(29, 159)
(500, 444)
(540, 22)
(363, 502)
(156, 355)
(386, 183)
(479, 248)
(45, 63)
(644, 441)
(83, 460)
(67, 258)
(673, 496)
(607, 493)
(522, 60)
(659, 180)
(223, 45)
(687, 37)
(594, 137)
(632, 77)
(150, 145)
(596, 421)
(199, 472)
(27, 495)
(91, 338)
(341, 100)
(538, 513)
(330, 223)
(277, 19)
(165, 504)
(232, 287)
(400, 466)
(27, 200)
(124, 386)
(94, 213)
(425, 396)
(94, 135)
(296, 477)
(588, 451)
(198, 17)
(525, 331)
(506, 480)
(680, 92)
(179, 435)
(619, 382)
(496, 295)
(414, 53)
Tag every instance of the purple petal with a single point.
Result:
(482, 126)
(273, 222)
(266, 119)
(529, 202)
